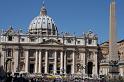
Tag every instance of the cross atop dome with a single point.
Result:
(43, 3)
(112, 1)
(43, 11)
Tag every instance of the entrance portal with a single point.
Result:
(51, 68)
(90, 68)
(43, 69)
(31, 70)
(68, 69)
(58, 70)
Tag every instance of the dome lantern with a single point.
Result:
(43, 11)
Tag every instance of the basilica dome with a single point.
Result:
(43, 24)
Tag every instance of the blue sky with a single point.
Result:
(70, 15)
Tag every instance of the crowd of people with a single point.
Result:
(25, 78)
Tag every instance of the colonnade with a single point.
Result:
(38, 61)
(42, 62)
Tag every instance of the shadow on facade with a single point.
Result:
(2, 73)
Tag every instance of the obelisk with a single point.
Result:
(113, 55)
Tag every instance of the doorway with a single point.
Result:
(31, 70)
(51, 68)
(68, 69)
(90, 68)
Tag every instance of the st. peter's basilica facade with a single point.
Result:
(43, 50)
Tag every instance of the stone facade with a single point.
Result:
(104, 58)
(43, 50)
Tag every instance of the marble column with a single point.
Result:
(65, 59)
(3, 58)
(26, 61)
(40, 60)
(36, 61)
(46, 62)
(15, 60)
(83, 63)
(73, 62)
(61, 62)
(55, 62)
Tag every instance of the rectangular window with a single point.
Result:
(43, 33)
(49, 32)
(90, 41)
(22, 39)
(69, 40)
(32, 40)
(9, 38)
(31, 53)
(43, 40)
(9, 52)
(51, 54)
(58, 55)
(68, 55)
(78, 42)
(90, 55)
(78, 56)
(58, 40)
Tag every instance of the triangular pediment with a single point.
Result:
(10, 31)
(51, 42)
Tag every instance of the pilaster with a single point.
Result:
(73, 62)
(65, 60)
(61, 63)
